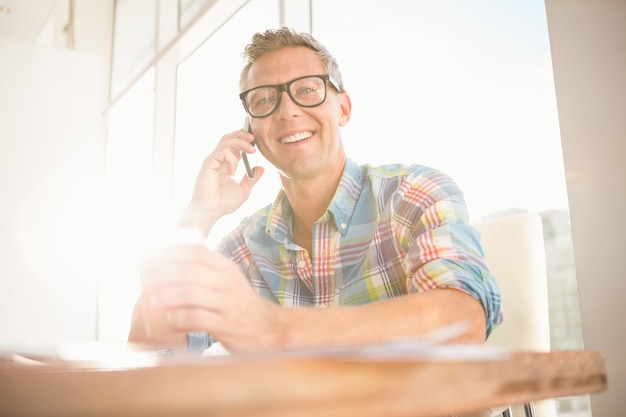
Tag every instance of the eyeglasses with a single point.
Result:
(308, 91)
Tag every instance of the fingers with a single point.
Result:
(190, 276)
(216, 191)
(193, 288)
(226, 156)
(187, 295)
(191, 319)
(248, 183)
(183, 284)
(223, 160)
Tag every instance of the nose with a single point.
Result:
(287, 108)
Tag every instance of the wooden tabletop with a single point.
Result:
(277, 386)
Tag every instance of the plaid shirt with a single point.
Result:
(388, 231)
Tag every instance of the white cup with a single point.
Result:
(154, 317)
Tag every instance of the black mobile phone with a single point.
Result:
(244, 156)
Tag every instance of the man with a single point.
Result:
(345, 255)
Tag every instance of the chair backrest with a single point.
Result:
(514, 249)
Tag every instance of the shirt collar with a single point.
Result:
(341, 207)
(344, 202)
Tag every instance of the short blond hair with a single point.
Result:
(276, 39)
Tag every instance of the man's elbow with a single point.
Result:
(471, 312)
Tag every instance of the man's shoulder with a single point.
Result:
(409, 179)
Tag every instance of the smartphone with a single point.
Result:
(244, 156)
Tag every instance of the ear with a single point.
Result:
(345, 107)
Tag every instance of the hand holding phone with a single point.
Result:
(244, 156)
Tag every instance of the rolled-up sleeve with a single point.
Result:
(443, 249)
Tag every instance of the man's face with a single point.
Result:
(302, 142)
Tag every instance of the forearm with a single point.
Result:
(401, 317)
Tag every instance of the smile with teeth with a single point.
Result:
(296, 138)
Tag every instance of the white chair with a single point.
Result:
(514, 250)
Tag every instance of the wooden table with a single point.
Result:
(276, 386)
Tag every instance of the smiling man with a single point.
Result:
(345, 255)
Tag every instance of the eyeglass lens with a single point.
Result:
(306, 92)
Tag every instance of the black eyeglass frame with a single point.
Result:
(285, 87)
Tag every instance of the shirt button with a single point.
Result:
(343, 225)
(301, 264)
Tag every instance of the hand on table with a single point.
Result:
(191, 288)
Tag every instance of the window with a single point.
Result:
(134, 41)
(465, 87)
(189, 9)
(208, 107)
(130, 212)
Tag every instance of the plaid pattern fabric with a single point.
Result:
(388, 231)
